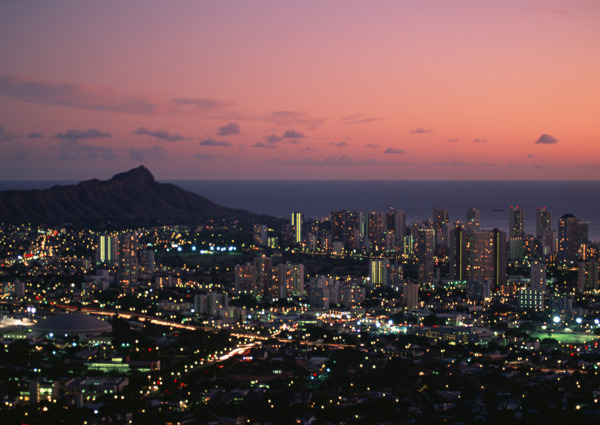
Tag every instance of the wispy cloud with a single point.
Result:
(546, 139)
(35, 135)
(73, 150)
(229, 129)
(213, 142)
(160, 134)
(293, 118)
(334, 161)
(74, 134)
(371, 145)
(339, 144)
(420, 130)
(358, 119)
(393, 150)
(98, 98)
(151, 152)
(479, 140)
(273, 138)
(264, 145)
(292, 134)
(451, 140)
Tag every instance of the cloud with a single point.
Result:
(371, 145)
(358, 119)
(340, 144)
(292, 134)
(334, 161)
(213, 142)
(160, 134)
(420, 130)
(72, 150)
(392, 150)
(273, 138)
(546, 139)
(451, 140)
(229, 129)
(293, 118)
(5, 136)
(74, 134)
(152, 152)
(479, 140)
(264, 145)
(35, 135)
(98, 98)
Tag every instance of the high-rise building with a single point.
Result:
(587, 275)
(265, 280)
(260, 235)
(487, 257)
(410, 295)
(568, 237)
(147, 261)
(128, 261)
(296, 221)
(424, 247)
(291, 280)
(378, 230)
(458, 252)
(481, 265)
(379, 272)
(516, 222)
(441, 219)
(473, 215)
(106, 250)
(399, 227)
(537, 276)
(543, 222)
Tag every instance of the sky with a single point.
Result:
(335, 89)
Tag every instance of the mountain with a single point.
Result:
(130, 195)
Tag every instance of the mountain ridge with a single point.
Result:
(133, 194)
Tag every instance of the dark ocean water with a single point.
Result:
(418, 198)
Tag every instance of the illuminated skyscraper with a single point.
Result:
(441, 219)
(424, 246)
(473, 219)
(296, 220)
(516, 222)
(543, 222)
(537, 275)
(128, 261)
(399, 227)
(378, 230)
(568, 237)
(379, 272)
(587, 275)
(458, 252)
(487, 257)
(106, 251)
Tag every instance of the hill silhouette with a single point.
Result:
(134, 194)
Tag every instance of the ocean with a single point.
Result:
(317, 199)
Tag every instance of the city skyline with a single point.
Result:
(268, 90)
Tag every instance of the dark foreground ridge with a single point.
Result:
(134, 194)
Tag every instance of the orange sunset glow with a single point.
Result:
(460, 89)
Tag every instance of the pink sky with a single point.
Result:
(448, 89)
